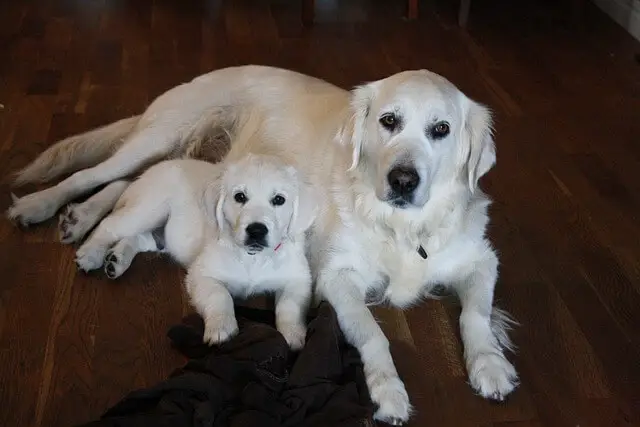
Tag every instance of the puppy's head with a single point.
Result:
(414, 129)
(261, 202)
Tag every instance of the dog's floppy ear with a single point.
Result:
(361, 98)
(479, 149)
(214, 197)
(305, 207)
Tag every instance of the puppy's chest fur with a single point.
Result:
(245, 275)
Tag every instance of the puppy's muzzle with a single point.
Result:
(403, 181)
(256, 237)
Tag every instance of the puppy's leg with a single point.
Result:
(490, 373)
(146, 146)
(215, 304)
(340, 288)
(78, 219)
(119, 258)
(127, 221)
(291, 307)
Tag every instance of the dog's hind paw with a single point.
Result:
(74, 224)
(30, 209)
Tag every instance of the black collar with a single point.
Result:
(422, 252)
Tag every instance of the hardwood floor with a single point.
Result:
(566, 189)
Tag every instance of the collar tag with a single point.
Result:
(422, 252)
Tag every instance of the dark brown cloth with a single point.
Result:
(254, 380)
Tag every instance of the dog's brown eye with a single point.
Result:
(278, 200)
(240, 197)
(440, 130)
(389, 121)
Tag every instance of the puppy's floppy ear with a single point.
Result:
(361, 99)
(305, 207)
(214, 198)
(478, 146)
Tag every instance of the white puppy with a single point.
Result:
(239, 227)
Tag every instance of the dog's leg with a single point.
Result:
(340, 288)
(291, 306)
(483, 333)
(126, 222)
(78, 219)
(119, 258)
(214, 303)
(144, 147)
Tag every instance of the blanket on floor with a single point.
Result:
(254, 380)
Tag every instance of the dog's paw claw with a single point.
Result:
(492, 376)
(389, 393)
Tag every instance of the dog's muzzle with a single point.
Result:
(403, 182)
(256, 237)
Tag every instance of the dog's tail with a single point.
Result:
(76, 152)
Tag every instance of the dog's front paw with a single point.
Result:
(492, 376)
(294, 333)
(389, 394)
(31, 209)
(89, 258)
(219, 328)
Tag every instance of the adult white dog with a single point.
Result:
(399, 162)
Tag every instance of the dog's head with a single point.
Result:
(414, 129)
(259, 202)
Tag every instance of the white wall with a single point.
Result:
(624, 12)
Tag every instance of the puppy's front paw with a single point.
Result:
(389, 394)
(294, 333)
(492, 376)
(219, 328)
(89, 258)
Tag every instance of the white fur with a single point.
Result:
(362, 241)
(180, 196)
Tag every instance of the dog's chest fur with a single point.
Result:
(245, 275)
(408, 255)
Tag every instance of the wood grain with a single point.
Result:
(564, 219)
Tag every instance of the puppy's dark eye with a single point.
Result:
(440, 130)
(278, 200)
(389, 121)
(240, 197)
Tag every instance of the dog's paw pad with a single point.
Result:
(112, 267)
(72, 224)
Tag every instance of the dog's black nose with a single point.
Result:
(256, 231)
(403, 180)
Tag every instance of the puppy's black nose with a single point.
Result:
(403, 180)
(256, 231)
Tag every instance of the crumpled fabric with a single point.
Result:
(254, 380)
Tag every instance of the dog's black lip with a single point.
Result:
(253, 248)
